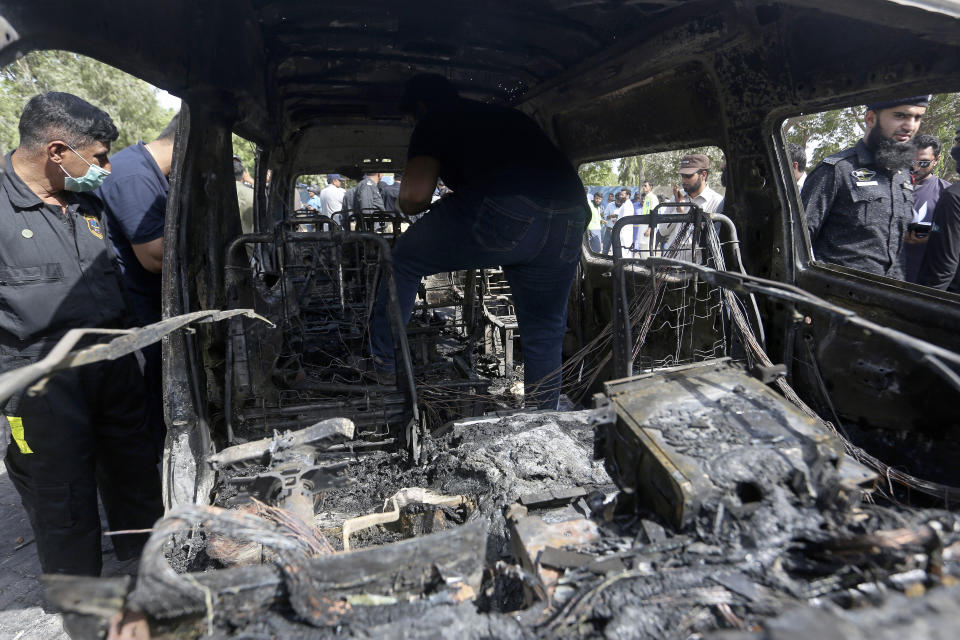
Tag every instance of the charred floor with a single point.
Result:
(697, 495)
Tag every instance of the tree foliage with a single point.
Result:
(630, 170)
(661, 168)
(131, 102)
(247, 150)
(942, 120)
(823, 134)
(598, 173)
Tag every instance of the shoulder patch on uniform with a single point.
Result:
(863, 175)
(837, 157)
(94, 226)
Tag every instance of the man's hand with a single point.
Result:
(418, 185)
(676, 193)
(150, 255)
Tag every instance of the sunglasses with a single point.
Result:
(923, 164)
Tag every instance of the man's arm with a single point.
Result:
(419, 182)
(817, 196)
(150, 255)
(139, 212)
(942, 256)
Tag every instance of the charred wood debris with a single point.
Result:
(691, 501)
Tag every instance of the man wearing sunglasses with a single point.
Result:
(926, 191)
(941, 260)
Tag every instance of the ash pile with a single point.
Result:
(691, 501)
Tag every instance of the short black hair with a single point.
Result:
(797, 155)
(56, 115)
(925, 140)
(170, 131)
(237, 169)
(431, 89)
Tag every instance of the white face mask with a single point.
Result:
(89, 181)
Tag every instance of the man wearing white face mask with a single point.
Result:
(86, 430)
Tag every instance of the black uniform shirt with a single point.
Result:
(857, 214)
(941, 260)
(56, 270)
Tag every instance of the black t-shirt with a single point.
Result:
(494, 150)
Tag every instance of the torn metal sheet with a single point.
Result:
(128, 341)
(262, 451)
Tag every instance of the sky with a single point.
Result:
(166, 100)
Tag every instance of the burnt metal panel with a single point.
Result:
(687, 435)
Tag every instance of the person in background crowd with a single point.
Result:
(367, 198)
(349, 201)
(694, 171)
(798, 163)
(609, 220)
(926, 192)
(624, 209)
(941, 260)
(391, 192)
(244, 198)
(596, 224)
(859, 202)
(650, 202)
(86, 430)
(135, 195)
(313, 200)
(331, 198)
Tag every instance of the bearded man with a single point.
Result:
(859, 202)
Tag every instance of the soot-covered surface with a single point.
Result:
(490, 461)
(744, 559)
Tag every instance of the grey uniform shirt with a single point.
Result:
(56, 270)
(368, 197)
(857, 214)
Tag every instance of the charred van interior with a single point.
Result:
(753, 443)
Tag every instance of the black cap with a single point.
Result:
(915, 101)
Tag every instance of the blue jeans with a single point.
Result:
(538, 244)
(606, 238)
(594, 239)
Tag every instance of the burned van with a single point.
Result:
(745, 422)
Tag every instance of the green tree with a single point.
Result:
(661, 168)
(131, 102)
(598, 173)
(828, 132)
(941, 120)
(630, 171)
(247, 150)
